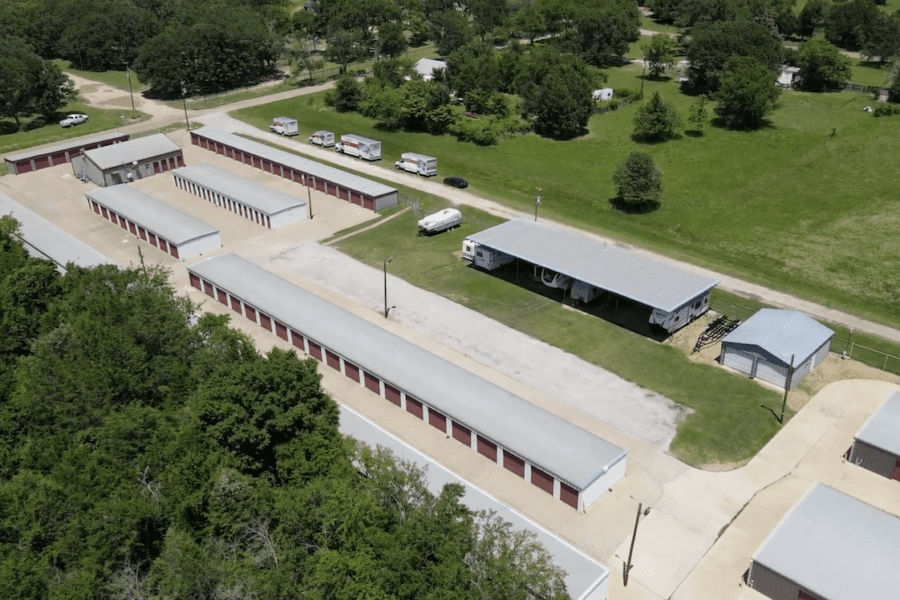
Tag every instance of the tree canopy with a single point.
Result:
(28, 84)
(747, 94)
(713, 45)
(822, 66)
(557, 91)
(638, 182)
(656, 121)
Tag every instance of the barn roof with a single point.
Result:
(882, 430)
(624, 272)
(262, 198)
(139, 150)
(836, 546)
(152, 214)
(63, 146)
(781, 333)
(543, 439)
(318, 170)
(49, 241)
(426, 66)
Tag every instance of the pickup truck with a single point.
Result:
(74, 119)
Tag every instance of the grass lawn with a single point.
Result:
(116, 79)
(649, 24)
(868, 73)
(788, 206)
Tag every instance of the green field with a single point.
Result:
(116, 79)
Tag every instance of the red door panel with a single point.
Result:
(297, 340)
(437, 420)
(487, 448)
(315, 350)
(462, 434)
(351, 371)
(413, 407)
(281, 331)
(372, 384)
(250, 312)
(542, 480)
(265, 321)
(236, 305)
(568, 494)
(333, 360)
(513, 463)
(392, 394)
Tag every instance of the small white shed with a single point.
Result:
(789, 76)
(603, 95)
(426, 67)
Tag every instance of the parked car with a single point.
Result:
(457, 182)
(74, 119)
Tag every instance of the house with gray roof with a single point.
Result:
(128, 161)
(877, 445)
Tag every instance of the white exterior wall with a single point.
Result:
(771, 372)
(595, 491)
(737, 359)
(289, 216)
(599, 591)
(386, 201)
(199, 246)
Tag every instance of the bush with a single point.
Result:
(486, 131)
(625, 95)
(886, 110)
(638, 182)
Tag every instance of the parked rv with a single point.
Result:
(417, 163)
(284, 126)
(322, 138)
(442, 220)
(484, 257)
(357, 145)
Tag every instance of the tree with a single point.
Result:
(343, 48)
(882, 38)
(638, 182)
(656, 121)
(425, 106)
(894, 79)
(712, 46)
(347, 94)
(473, 66)
(659, 54)
(603, 29)
(391, 39)
(29, 84)
(557, 93)
(528, 22)
(822, 66)
(697, 117)
(846, 21)
(747, 94)
(811, 17)
(450, 30)
(486, 15)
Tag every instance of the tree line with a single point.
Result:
(150, 451)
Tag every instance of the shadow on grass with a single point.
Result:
(694, 133)
(771, 411)
(8, 128)
(634, 209)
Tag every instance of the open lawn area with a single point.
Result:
(116, 79)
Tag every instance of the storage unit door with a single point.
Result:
(356, 198)
(23, 167)
(413, 407)
(368, 203)
(132, 228)
(163, 245)
(392, 394)
(895, 474)
(250, 312)
(351, 371)
(568, 494)
(297, 340)
(372, 383)
(487, 448)
(208, 288)
(195, 281)
(542, 480)
(343, 193)
(738, 360)
(266, 322)
(281, 331)
(236, 305)
(333, 360)
(315, 350)
(141, 231)
(41, 162)
(437, 420)
(173, 250)
(222, 296)
(771, 372)
(59, 158)
(462, 434)
(152, 236)
(104, 212)
(287, 172)
(513, 463)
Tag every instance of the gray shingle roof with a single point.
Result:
(543, 439)
(782, 333)
(318, 170)
(262, 198)
(63, 146)
(138, 150)
(836, 546)
(882, 430)
(152, 214)
(618, 270)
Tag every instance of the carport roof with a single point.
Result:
(152, 214)
(63, 146)
(781, 333)
(139, 150)
(882, 430)
(623, 272)
(836, 546)
(543, 439)
(310, 167)
(260, 197)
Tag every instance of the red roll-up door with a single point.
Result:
(59, 158)
(487, 448)
(315, 350)
(156, 168)
(163, 245)
(332, 360)
(257, 162)
(23, 167)
(392, 394)
(143, 233)
(369, 203)
(250, 312)
(542, 480)
(513, 463)
(356, 198)
(297, 340)
(568, 494)
(343, 193)
(208, 288)
(351, 371)
(220, 149)
(265, 321)
(287, 172)
(462, 434)
(801, 595)
(123, 223)
(41, 162)
(414, 407)
(194, 140)
(95, 206)
(104, 212)
(437, 420)
(132, 228)
(236, 305)
(320, 185)
(223, 297)
(281, 331)
(152, 239)
(173, 250)
(896, 473)
(372, 383)
(113, 217)
(195, 281)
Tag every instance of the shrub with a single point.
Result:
(886, 110)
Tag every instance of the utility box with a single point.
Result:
(440, 221)
(284, 126)
(357, 145)
(419, 164)
(322, 138)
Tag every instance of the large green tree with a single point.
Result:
(846, 22)
(747, 94)
(638, 182)
(656, 121)
(712, 46)
(659, 54)
(601, 30)
(30, 85)
(557, 90)
(822, 66)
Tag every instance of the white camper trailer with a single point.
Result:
(357, 145)
(322, 138)
(417, 163)
(440, 221)
(284, 126)
(602, 95)
(484, 257)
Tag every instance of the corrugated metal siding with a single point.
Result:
(737, 359)
(872, 458)
(773, 373)
(772, 584)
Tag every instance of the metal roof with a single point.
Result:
(617, 270)
(48, 240)
(426, 66)
(264, 199)
(359, 138)
(310, 167)
(543, 439)
(837, 547)
(781, 333)
(63, 146)
(882, 430)
(152, 214)
(139, 150)
(417, 156)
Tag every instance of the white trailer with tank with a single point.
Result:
(485, 257)
(440, 221)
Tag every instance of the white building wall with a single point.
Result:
(602, 484)
(599, 591)
(289, 217)
(200, 245)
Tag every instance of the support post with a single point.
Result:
(130, 91)
(787, 385)
(628, 565)
(386, 308)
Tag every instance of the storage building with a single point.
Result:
(45, 240)
(128, 161)
(830, 546)
(762, 346)
(58, 154)
(877, 445)
(165, 227)
(253, 201)
(589, 268)
(427, 66)
(347, 186)
(558, 457)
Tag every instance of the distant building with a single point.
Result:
(58, 154)
(877, 445)
(128, 161)
(602, 95)
(788, 77)
(426, 67)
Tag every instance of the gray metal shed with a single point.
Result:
(877, 445)
(128, 161)
(762, 346)
(830, 546)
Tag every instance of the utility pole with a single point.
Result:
(309, 195)
(637, 520)
(787, 385)
(386, 308)
(130, 91)
(537, 201)
(643, 69)
(187, 123)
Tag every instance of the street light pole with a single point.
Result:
(187, 123)
(537, 202)
(637, 520)
(386, 308)
(787, 385)
(130, 91)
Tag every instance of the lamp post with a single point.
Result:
(130, 91)
(637, 520)
(187, 123)
(537, 201)
(387, 308)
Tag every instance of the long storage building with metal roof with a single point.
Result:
(163, 226)
(877, 445)
(341, 184)
(61, 153)
(260, 204)
(128, 161)
(830, 546)
(558, 457)
(589, 268)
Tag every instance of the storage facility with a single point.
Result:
(830, 546)
(59, 154)
(253, 201)
(165, 227)
(558, 457)
(762, 346)
(341, 184)
(128, 161)
(877, 445)
(589, 269)
(43, 239)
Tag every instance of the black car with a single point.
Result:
(457, 182)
